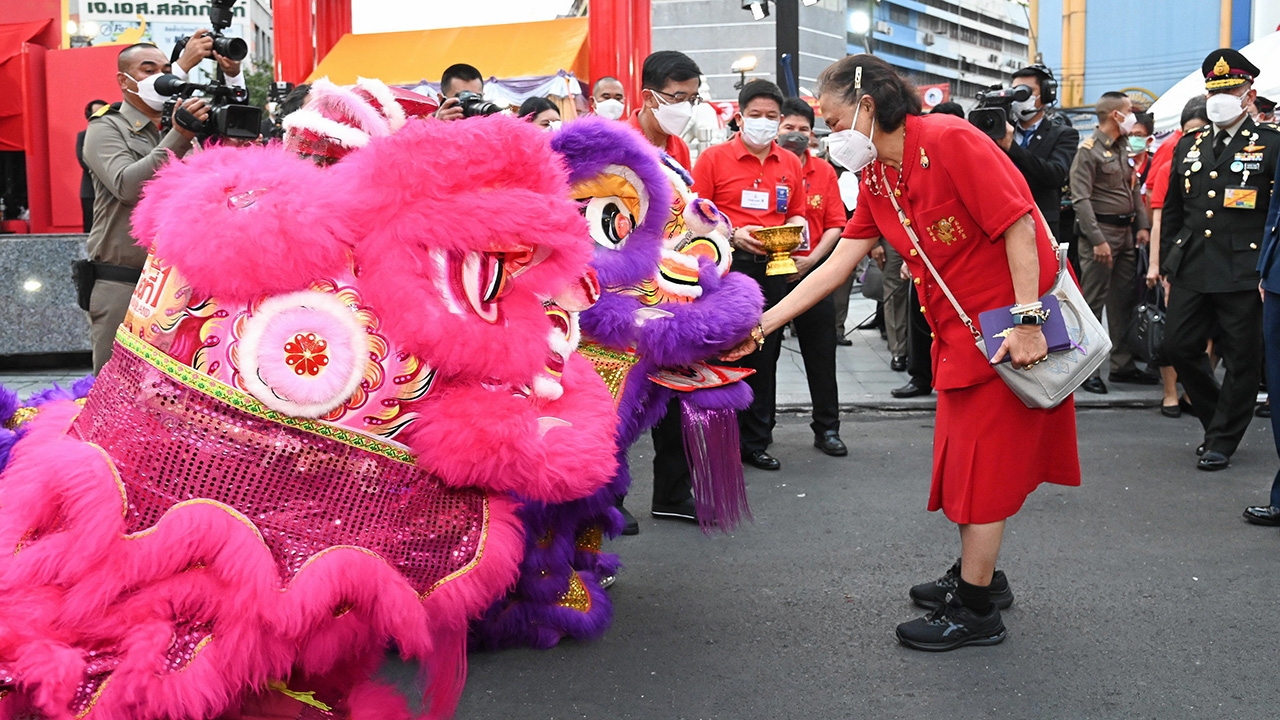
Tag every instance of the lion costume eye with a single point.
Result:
(610, 221)
(613, 203)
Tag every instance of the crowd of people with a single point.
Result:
(1187, 217)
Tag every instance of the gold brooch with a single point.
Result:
(947, 231)
(924, 159)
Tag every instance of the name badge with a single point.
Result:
(1240, 197)
(755, 200)
(781, 196)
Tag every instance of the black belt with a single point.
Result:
(1118, 220)
(116, 273)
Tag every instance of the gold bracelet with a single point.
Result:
(757, 334)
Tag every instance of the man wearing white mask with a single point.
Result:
(757, 184)
(1211, 235)
(609, 98)
(669, 84)
(1111, 218)
(123, 149)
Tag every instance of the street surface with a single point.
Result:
(1142, 594)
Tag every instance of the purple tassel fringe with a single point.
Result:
(711, 447)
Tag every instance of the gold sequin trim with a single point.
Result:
(612, 366)
(246, 403)
(577, 598)
(20, 416)
(591, 539)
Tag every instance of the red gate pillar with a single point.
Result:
(294, 40)
(333, 20)
(620, 38)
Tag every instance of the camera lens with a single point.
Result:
(232, 48)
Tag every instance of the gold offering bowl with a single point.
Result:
(780, 241)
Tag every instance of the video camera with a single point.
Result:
(473, 104)
(229, 116)
(220, 17)
(992, 113)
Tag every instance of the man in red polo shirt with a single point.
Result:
(757, 184)
(815, 327)
(669, 90)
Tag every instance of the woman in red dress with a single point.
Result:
(975, 219)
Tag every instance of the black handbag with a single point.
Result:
(1146, 330)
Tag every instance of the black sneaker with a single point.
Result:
(683, 511)
(952, 625)
(630, 525)
(931, 595)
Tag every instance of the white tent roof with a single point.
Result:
(1265, 53)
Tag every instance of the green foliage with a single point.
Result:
(258, 78)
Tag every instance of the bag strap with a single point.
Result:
(915, 242)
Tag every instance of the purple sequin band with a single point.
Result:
(304, 491)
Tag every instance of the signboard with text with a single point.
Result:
(163, 24)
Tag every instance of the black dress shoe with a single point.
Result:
(1263, 410)
(631, 526)
(870, 324)
(910, 390)
(686, 510)
(1134, 377)
(898, 363)
(1200, 450)
(1094, 385)
(843, 341)
(762, 460)
(1184, 403)
(1171, 411)
(830, 443)
(1263, 515)
(1213, 460)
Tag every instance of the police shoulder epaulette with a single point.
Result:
(1087, 144)
(104, 110)
(1269, 127)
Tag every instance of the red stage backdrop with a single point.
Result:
(94, 73)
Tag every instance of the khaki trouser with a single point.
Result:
(1114, 289)
(895, 303)
(107, 307)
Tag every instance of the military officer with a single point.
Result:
(1212, 227)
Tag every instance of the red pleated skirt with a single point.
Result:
(990, 452)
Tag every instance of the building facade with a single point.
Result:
(718, 33)
(968, 45)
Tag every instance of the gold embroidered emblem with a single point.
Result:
(815, 202)
(1221, 67)
(947, 231)
(924, 159)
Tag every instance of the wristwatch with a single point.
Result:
(1030, 318)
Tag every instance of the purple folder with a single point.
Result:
(997, 323)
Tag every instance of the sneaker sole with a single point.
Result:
(1004, 603)
(943, 647)
(673, 515)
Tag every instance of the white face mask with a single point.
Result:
(553, 126)
(610, 108)
(1223, 108)
(759, 132)
(147, 92)
(851, 148)
(1128, 123)
(1025, 109)
(673, 118)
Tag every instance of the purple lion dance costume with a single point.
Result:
(668, 304)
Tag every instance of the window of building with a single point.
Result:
(899, 15)
(968, 35)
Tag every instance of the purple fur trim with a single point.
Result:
(79, 389)
(678, 169)
(588, 146)
(711, 447)
(734, 396)
(699, 330)
(9, 404)
(611, 321)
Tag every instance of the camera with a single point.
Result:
(229, 116)
(220, 17)
(992, 113)
(473, 104)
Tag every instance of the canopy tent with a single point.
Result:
(1265, 53)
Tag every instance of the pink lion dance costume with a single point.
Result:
(331, 384)
(669, 303)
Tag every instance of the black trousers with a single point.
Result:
(1224, 411)
(756, 422)
(815, 329)
(919, 344)
(672, 483)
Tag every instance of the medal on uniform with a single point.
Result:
(1240, 197)
(1237, 166)
(1195, 166)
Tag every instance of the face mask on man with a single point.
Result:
(147, 91)
(1137, 144)
(610, 108)
(1128, 123)
(796, 142)
(673, 118)
(1222, 108)
(850, 148)
(759, 132)
(1024, 109)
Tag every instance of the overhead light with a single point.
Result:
(746, 63)
(859, 23)
(72, 27)
(32, 285)
(759, 8)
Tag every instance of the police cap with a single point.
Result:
(1227, 68)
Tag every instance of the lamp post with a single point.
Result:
(82, 34)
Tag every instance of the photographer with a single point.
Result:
(1041, 150)
(199, 48)
(123, 148)
(457, 78)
